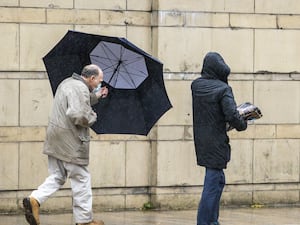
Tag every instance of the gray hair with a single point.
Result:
(90, 70)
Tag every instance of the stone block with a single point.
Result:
(9, 166)
(125, 18)
(240, 167)
(112, 17)
(253, 21)
(107, 30)
(22, 15)
(255, 131)
(137, 18)
(31, 133)
(242, 91)
(176, 164)
(236, 47)
(47, 3)
(33, 165)
(136, 201)
(287, 131)
(263, 187)
(108, 202)
(276, 197)
(188, 54)
(175, 198)
(138, 163)
(276, 95)
(265, 131)
(288, 21)
(277, 7)
(143, 39)
(20, 134)
(23, 75)
(269, 165)
(181, 98)
(140, 5)
(61, 201)
(168, 18)
(9, 36)
(9, 134)
(9, 102)
(36, 40)
(69, 16)
(202, 19)
(286, 186)
(175, 201)
(8, 201)
(246, 6)
(236, 198)
(204, 5)
(188, 133)
(247, 134)
(104, 4)
(118, 137)
(275, 50)
(9, 2)
(237, 187)
(170, 132)
(107, 163)
(35, 102)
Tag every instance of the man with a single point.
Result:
(67, 145)
(213, 107)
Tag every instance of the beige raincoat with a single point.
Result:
(68, 136)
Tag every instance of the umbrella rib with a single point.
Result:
(105, 47)
(117, 61)
(116, 70)
(130, 79)
(102, 57)
(138, 58)
(107, 66)
(139, 74)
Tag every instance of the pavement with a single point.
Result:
(240, 216)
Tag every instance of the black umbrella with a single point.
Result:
(137, 95)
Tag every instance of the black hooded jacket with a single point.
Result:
(213, 107)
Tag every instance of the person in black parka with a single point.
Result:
(213, 107)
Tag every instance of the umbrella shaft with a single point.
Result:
(115, 71)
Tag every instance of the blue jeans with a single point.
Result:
(208, 210)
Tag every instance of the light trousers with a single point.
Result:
(80, 180)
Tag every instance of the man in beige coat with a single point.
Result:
(67, 145)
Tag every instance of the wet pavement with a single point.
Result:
(241, 216)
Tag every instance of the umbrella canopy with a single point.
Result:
(122, 67)
(137, 95)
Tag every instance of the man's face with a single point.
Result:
(94, 80)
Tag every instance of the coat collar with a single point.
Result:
(78, 77)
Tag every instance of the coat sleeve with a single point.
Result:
(94, 99)
(230, 111)
(79, 108)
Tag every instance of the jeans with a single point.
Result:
(208, 210)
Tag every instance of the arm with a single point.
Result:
(95, 97)
(230, 111)
(79, 109)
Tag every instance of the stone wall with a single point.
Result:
(259, 39)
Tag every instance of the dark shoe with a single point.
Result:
(92, 223)
(31, 207)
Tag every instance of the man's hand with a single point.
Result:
(102, 93)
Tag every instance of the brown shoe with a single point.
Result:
(31, 207)
(92, 223)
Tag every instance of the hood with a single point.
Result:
(214, 67)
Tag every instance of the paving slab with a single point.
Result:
(240, 216)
